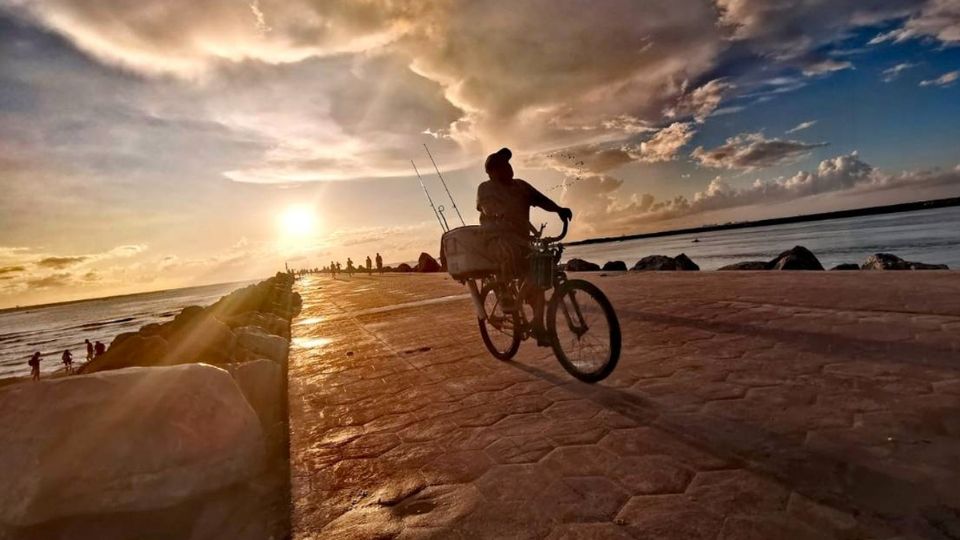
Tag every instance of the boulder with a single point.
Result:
(136, 350)
(203, 339)
(426, 263)
(746, 265)
(120, 338)
(262, 344)
(404, 267)
(846, 266)
(615, 266)
(796, 258)
(130, 440)
(580, 265)
(152, 329)
(886, 261)
(261, 382)
(684, 263)
(270, 322)
(186, 315)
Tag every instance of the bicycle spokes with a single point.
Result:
(575, 322)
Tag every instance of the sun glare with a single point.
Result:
(297, 221)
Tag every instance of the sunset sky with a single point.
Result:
(148, 145)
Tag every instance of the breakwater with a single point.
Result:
(178, 431)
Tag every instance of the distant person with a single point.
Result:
(350, 267)
(99, 348)
(369, 265)
(67, 359)
(379, 264)
(34, 364)
(89, 349)
(333, 270)
(338, 268)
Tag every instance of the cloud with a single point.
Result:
(749, 151)
(947, 79)
(608, 213)
(11, 269)
(938, 19)
(801, 126)
(892, 73)
(700, 102)
(826, 65)
(51, 281)
(666, 143)
(60, 262)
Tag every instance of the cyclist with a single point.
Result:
(504, 204)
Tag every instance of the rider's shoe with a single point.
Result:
(543, 338)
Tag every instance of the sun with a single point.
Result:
(297, 221)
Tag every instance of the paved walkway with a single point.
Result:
(745, 405)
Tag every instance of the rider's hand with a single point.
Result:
(566, 214)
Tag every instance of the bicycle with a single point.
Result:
(581, 325)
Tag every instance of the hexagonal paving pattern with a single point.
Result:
(745, 405)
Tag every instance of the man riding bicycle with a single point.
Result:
(504, 204)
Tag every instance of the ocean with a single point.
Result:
(930, 236)
(52, 329)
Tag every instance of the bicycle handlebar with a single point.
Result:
(552, 239)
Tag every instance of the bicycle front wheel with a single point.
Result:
(584, 329)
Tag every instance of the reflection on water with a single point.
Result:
(311, 342)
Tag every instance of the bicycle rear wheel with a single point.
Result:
(584, 329)
(501, 330)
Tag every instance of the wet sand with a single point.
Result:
(769, 405)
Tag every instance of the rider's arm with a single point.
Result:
(542, 201)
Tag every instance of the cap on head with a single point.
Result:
(502, 155)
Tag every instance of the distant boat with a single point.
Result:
(695, 240)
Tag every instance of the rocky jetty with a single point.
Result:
(580, 265)
(663, 263)
(886, 261)
(801, 258)
(178, 431)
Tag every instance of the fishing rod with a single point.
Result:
(444, 185)
(429, 198)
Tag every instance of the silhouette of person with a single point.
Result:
(89, 349)
(504, 204)
(369, 265)
(333, 270)
(350, 267)
(34, 364)
(98, 349)
(67, 358)
(379, 264)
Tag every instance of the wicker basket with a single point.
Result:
(467, 254)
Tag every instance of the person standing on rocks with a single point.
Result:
(89, 349)
(369, 265)
(379, 264)
(67, 358)
(99, 348)
(504, 204)
(34, 364)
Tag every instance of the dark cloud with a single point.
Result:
(50, 282)
(60, 262)
(750, 151)
(11, 269)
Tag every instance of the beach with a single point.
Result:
(745, 404)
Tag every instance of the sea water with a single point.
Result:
(930, 236)
(54, 328)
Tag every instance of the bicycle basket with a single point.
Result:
(542, 268)
(467, 254)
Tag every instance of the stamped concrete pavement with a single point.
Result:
(745, 405)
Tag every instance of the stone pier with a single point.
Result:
(746, 405)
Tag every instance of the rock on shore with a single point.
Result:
(135, 439)
(580, 265)
(662, 262)
(614, 266)
(886, 261)
(795, 258)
